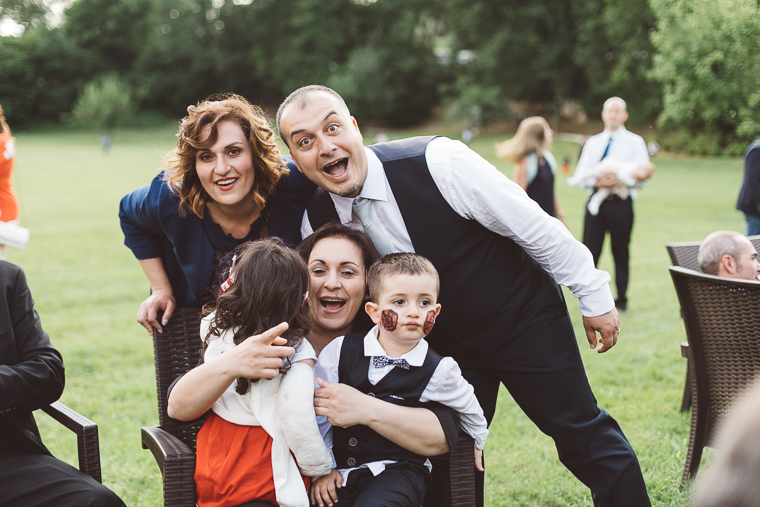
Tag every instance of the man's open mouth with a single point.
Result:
(337, 168)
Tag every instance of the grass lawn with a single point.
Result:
(88, 286)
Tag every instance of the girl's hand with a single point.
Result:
(479, 460)
(260, 356)
(323, 490)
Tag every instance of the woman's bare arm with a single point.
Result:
(160, 299)
(415, 429)
(521, 173)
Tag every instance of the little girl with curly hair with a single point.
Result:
(260, 440)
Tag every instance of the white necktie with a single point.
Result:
(363, 210)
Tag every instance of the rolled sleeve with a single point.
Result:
(139, 217)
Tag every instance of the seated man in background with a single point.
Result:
(729, 254)
(31, 377)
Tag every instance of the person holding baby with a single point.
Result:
(613, 165)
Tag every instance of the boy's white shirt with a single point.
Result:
(446, 386)
(258, 408)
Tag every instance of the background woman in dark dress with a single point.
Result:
(535, 166)
(225, 184)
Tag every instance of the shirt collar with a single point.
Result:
(415, 357)
(618, 132)
(374, 187)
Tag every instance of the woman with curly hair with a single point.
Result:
(226, 184)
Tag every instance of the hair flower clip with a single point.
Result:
(230, 279)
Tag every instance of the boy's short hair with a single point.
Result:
(398, 264)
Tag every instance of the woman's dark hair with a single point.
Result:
(336, 230)
(270, 282)
(363, 242)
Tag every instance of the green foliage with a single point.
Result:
(105, 102)
(709, 65)
(615, 55)
(42, 72)
(116, 30)
(476, 105)
(525, 50)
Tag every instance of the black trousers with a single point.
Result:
(39, 480)
(616, 216)
(541, 366)
(399, 485)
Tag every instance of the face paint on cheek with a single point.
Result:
(389, 320)
(429, 322)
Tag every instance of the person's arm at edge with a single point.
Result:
(38, 378)
(521, 173)
(752, 162)
(160, 299)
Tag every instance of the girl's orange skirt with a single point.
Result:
(233, 464)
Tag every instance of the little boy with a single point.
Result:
(393, 362)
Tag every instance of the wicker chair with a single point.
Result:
(685, 255)
(87, 437)
(723, 328)
(172, 442)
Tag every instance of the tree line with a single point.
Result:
(694, 64)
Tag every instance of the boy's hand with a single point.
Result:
(323, 489)
(479, 460)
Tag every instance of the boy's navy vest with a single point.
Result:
(491, 289)
(359, 444)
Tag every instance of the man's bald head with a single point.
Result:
(614, 113)
(300, 98)
(615, 101)
(728, 254)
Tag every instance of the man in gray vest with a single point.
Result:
(500, 259)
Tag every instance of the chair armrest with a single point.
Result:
(87, 437)
(460, 480)
(177, 464)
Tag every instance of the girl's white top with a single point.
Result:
(257, 407)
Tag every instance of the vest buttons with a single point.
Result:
(351, 462)
(352, 442)
(371, 394)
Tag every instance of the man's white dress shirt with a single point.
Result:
(476, 190)
(625, 146)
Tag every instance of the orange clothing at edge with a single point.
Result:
(8, 201)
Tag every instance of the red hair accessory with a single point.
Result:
(230, 279)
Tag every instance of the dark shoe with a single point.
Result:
(621, 305)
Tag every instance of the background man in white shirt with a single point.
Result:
(615, 213)
(499, 258)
